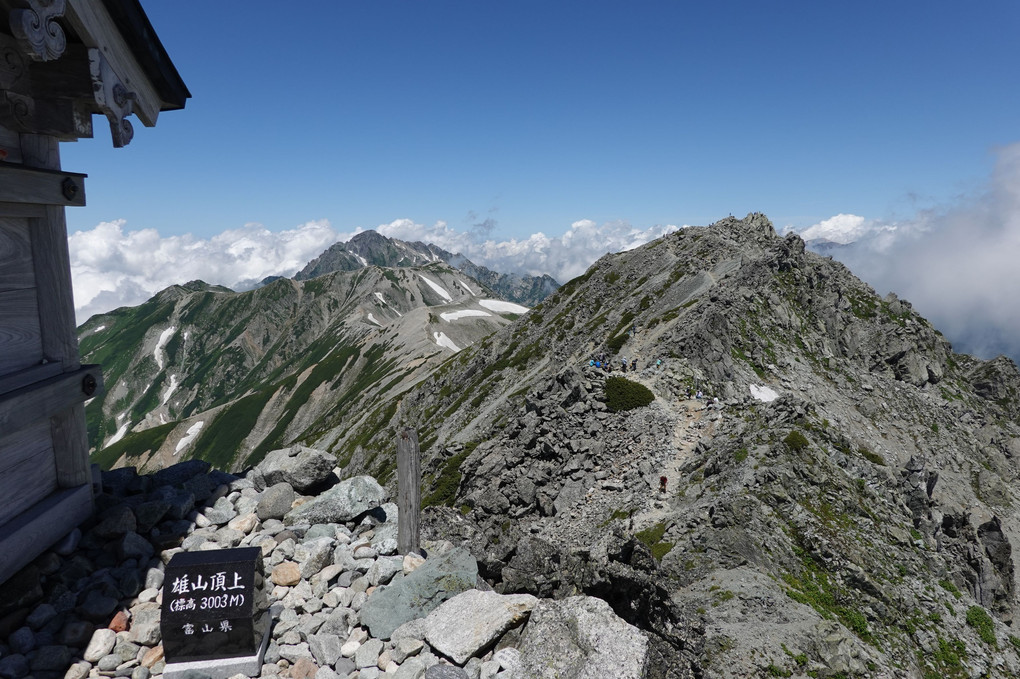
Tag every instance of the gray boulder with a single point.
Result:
(275, 501)
(418, 594)
(473, 620)
(580, 637)
(341, 503)
(303, 468)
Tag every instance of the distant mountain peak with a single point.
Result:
(370, 248)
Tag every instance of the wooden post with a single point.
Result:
(408, 491)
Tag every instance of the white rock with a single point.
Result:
(472, 620)
(101, 644)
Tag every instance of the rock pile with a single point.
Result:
(344, 603)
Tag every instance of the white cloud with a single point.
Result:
(957, 264)
(562, 257)
(842, 229)
(114, 267)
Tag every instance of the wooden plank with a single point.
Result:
(33, 531)
(27, 470)
(53, 287)
(70, 446)
(96, 28)
(408, 492)
(45, 399)
(16, 270)
(21, 184)
(30, 375)
(20, 336)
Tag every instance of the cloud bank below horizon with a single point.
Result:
(113, 267)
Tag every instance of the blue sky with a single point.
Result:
(538, 114)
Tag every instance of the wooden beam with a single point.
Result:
(33, 531)
(33, 210)
(48, 398)
(20, 184)
(408, 492)
(23, 378)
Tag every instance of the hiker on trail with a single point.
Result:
(624, 363)
(633, 365)
(662, 484)
(658, 363)
(698, 395)
(591, 363)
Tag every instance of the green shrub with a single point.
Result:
(622, 394)
(873, 458)
(979, 619)
(616, 343)
(950, 587)
(652, 538)
(796, 441)
(448, 481)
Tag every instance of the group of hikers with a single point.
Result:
(601, 362)
(608, 364)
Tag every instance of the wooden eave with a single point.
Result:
(92, 56)
(121, 35)
(148, 50)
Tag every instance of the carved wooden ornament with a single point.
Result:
(114, 100)
(37, 29)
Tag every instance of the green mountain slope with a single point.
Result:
(199, 371)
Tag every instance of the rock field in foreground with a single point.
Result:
(344, 603)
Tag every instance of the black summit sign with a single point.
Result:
(211, 601)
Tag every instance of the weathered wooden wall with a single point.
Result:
(45, 480)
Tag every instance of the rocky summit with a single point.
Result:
(714, 455)
(344, 604)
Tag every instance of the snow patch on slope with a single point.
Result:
(193, 431)
(467, 287)
(164, 337)
(440, 290)
(372, 318)
(170, 390)
(763, 393)
(444, 341)
(499, 305)
(119, 435)
(454, 315)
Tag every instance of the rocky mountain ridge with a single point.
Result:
(847, 508)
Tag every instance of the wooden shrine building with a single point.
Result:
(61, 61)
